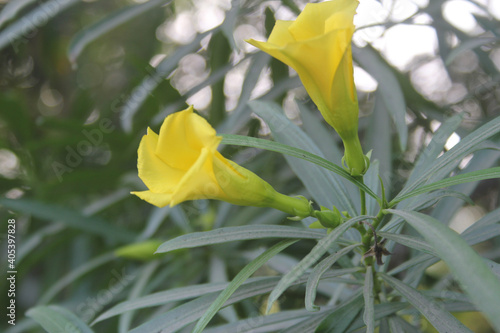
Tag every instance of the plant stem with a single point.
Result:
(362, 196)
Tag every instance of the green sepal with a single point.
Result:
(140, 251)
(328, 218)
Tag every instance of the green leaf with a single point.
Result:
(239, 140)
(241, 114)
(469, 44)
(442, 320)
(139, 94)
(108, 23)
(184, 293)
(144, 278)
(241, 277)
(455, 180)
(55, 319)
(388, 88)
(70, 218)
(409, 241)
(319, 250)
(318, 271)
(24, 26)
(483, 287)
(325, 188)
(379, 139)
(161, 298)
(231, 234)
(369, 314)
(372, 180)
(455, 154)
(72, 276)
(490, 218)
(398, 324)
(321, 134)
(381, 311)
(435, 146)
(11, 8)
(342, 317)
(189, 312)
(309, 324)
(281, 320)
(446, 209)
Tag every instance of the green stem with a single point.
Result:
(362, 196)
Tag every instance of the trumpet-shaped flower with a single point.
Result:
(318, 46)
(182, 163)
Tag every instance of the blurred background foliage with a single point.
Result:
(80, 81)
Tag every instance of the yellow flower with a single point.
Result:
(182, 163)
(318, 46)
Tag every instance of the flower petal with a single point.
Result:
(199, 182)
(182, 136)
(158, 176)
(157, 199)
(281, 35)
(319, 18)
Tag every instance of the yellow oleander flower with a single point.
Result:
(318, 46)
(182, 163)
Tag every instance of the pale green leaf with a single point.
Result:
(55, 319)
(455, 154)
(240, 140)
(388, 89)
(70, 218)
(73, 275)
(241, 277)
(409, 241)
(369, 313)
(108, 23)
(483, 287)
(325, 188)
(469, 44)
(318, 271)
(313, 256)
(230, 234)
(455, 180)
(20, 30)
(343, 315)
(442, 320)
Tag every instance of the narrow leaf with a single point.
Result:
(435, 146)
(442, 320)
(388, 88)
(455, 154)
(455, 180)
(68, 217)
(483, 287)
(189, 312)
(231, 234)
(245, 141)
(11, 8)
(469, 45)
(241, 277)
(280, 320)
(409, 241)
(24, 26)
(369, 314)
(318, 271)
(325, 188)
(343, 316)
(108, 23)
(55, 319)
(73, 275)
(142, 91)
(319, 250)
